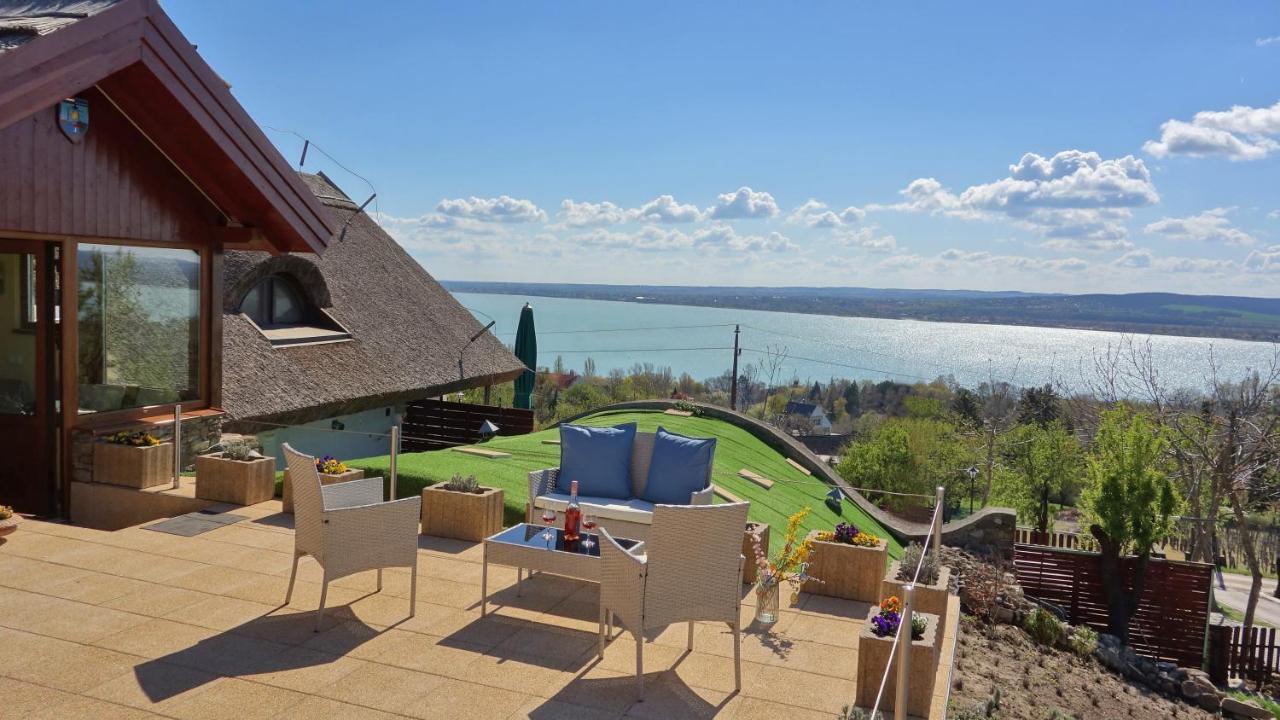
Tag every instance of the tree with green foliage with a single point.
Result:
(1039, 405)
(1128, 501)
(1045, 464)
(911, 455)
(852, 399)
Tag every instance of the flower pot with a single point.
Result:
(325, 479)
(927, 598)
(136, 467)
(874, 655)
(847, 571)
(240, 482)
(767, 604)
(461, 515)
(749, 570)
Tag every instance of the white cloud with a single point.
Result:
(1265, 41)
(589, 214)
(1137, 259)
(1075, 196)
(665, 209)
(743, 203)
(953, 260)
(1266, 260)
(504, 209)
(815, 214)
(411, 227)
(867, 239)
(723, 237)
(1241, 133)
(1274, 214)
(1210, 226)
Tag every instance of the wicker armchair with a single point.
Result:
(348, 528)
(691, 570)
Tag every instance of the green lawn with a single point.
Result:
(735, 449)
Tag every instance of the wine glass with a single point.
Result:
(548, 519)
(588, 524)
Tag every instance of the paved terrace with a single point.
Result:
(142, 624)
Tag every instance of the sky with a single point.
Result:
(1066, 147)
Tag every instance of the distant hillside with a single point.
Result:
(1243, 318)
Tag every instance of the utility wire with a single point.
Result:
(332, 159)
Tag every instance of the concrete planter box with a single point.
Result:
(240, 482)
(749, 569)
(135, 467)
(874, 657)
(325, 479)
(927, 598)
(847, 571)
(461, 515)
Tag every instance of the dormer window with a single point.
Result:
(282, 313)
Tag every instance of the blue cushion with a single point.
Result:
(599, 458)
(680, 467)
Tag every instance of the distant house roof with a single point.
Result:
(799, 407)
(131, 51)
(407, 331)
(562, 380)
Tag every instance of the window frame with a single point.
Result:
(324, 328)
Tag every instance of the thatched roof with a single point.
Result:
(21, 22)
(407, 331)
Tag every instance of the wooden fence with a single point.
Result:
(436, 424)
(1067, 540)
(1253, 655)
(1173, 611)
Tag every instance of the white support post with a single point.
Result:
(902, 687)
(177, 446)
(395, 450)
(937, 522)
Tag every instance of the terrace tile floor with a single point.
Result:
(141, 624)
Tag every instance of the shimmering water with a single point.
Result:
(821, 346)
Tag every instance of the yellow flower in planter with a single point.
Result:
(330, 465)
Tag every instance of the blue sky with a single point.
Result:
(1075, 147)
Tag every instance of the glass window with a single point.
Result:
(18, 360)
(285, 307)
(138, 326)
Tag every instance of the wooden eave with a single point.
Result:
(135, 55)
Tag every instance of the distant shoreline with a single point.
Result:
(1201, 316)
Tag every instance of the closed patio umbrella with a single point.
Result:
(527, 352)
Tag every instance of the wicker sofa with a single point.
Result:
(626, 518)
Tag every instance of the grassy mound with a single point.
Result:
(735, 449)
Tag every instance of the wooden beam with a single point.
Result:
(798, 466)
(760, 480)
(725, 494)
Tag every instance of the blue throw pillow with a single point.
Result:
(680, 467)
(599, 458)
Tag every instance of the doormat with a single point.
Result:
(195, 523)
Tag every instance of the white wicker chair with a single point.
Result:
(348, 528)
(691, 571)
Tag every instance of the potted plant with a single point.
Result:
(133, 459)
(331, 470)
(850, 562)
(8, 521)
(750, 572)
(462, 509)
(875, 651)
(932, 587)
(237, 474)
(789, 565)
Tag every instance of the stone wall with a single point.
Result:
(198, 433)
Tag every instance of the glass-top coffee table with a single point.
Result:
(524, 547)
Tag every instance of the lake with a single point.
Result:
(699, 341)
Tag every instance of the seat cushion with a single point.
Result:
(599, 458)
(632, 510)
(680, 467)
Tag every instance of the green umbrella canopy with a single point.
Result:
(527, 352)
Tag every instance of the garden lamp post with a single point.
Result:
(972, 472)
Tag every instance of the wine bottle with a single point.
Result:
(572, 514)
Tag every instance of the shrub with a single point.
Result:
(1043, 627)
(911, 558)
(982, 585)
(918, 625)
(848, 712)
(1083, 641)
(982, 711)
(469, 484)
(239, 450)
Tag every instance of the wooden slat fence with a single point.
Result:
(1253, 654)
(436, 424)
(1173, 611)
